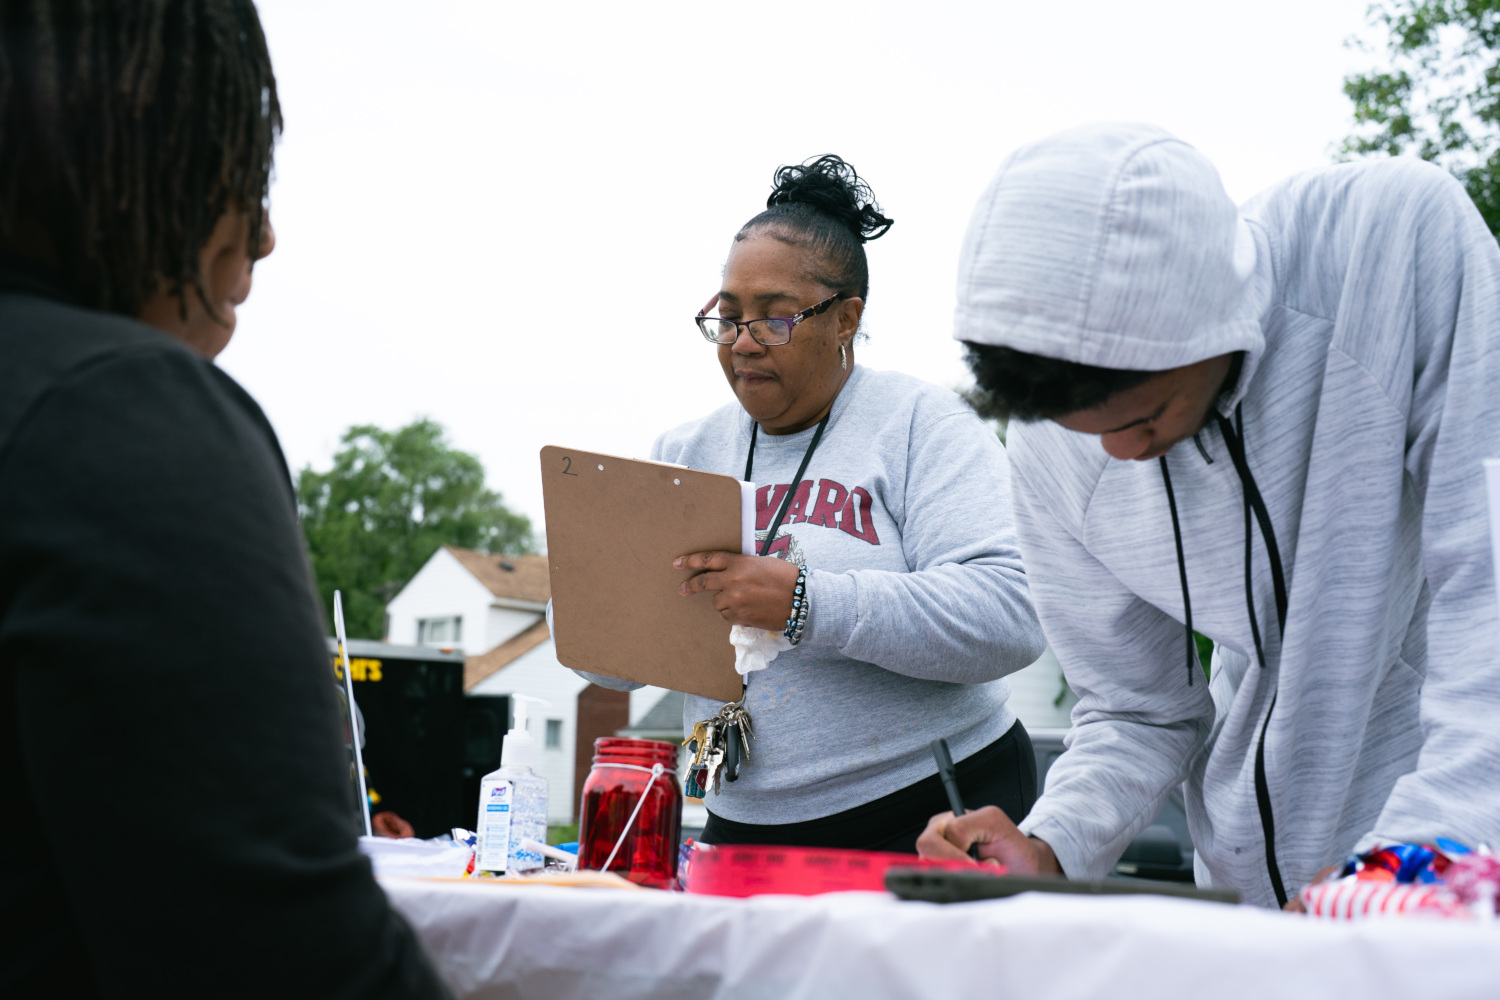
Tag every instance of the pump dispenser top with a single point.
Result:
(519, 749)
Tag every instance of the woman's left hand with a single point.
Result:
(747, 590)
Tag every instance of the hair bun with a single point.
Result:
(831, 186)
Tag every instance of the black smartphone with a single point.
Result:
(937, 886)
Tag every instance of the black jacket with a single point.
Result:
(174, 789)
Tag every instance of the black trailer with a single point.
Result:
(426, 745)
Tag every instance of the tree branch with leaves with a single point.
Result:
(1439, 98)
(390, 501)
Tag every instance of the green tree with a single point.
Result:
(390, 501)
(1440, 97)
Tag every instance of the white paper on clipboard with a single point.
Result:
(747, 518)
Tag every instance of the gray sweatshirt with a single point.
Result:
(919, 605)
(1366, 300)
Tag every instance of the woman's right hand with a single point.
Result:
(755, 591)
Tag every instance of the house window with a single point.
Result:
(554, 734)
(440, 631)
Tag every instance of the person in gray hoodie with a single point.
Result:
(1293, 399)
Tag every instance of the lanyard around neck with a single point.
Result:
(786, 503)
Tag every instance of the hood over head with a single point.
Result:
(1109, 245)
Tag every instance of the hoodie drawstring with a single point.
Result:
(1234, 440)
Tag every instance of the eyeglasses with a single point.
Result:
(769, 332)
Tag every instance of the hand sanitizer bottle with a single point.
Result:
(512, 802)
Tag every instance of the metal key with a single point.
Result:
(715, 764)
(694, 737)
(735, 717)
(728, 711)
(730, 762)
(708, 736)
(740, 719)
(697, 742)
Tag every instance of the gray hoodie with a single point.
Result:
(1366, 300)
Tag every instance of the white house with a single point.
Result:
(469, 600)
(494, 609)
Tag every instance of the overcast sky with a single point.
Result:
(503, 216)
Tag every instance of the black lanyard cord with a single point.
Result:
(1234, 440)
(791, 492)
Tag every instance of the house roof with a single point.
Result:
(477, 668)
(528, 580)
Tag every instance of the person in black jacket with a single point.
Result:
(176, 796)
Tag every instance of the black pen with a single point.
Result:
(949, 777)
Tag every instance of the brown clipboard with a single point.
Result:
(614, 525)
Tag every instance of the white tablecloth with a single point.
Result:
(594, 944)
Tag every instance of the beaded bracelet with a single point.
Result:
(798, 618)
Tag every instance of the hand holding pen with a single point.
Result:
(947, 837)
(948, 774)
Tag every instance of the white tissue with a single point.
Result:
(755, 648)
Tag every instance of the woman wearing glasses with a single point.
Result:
(883, 506)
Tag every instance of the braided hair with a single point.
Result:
(129, 128)
(824, 205)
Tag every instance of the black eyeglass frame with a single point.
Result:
(702, 319)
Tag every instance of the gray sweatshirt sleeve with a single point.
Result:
(1449, 386)
(613, 683)
(963, 613)
(1136, 724)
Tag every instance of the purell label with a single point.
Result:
(495, 802)
(528, 820)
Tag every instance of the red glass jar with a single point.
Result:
(621, 773)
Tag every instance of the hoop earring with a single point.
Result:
(843, 358)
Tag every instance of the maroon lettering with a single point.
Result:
(825, 512)
(798, 511)
(856, 516)
(766, 505)
(832, 506)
